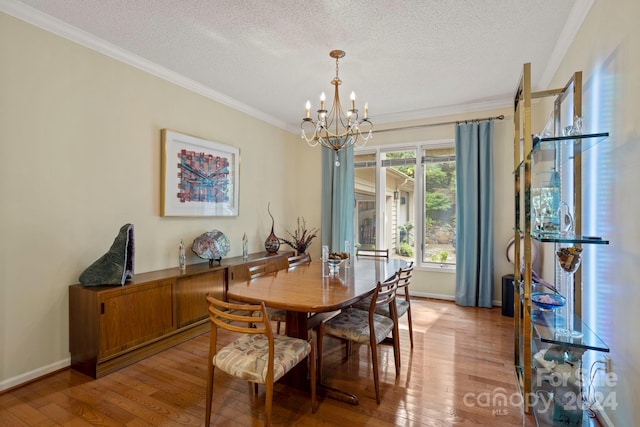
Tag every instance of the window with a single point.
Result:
(405, 201)
(365, 216)
(439, 212)
(399, 176)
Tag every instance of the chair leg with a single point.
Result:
(319, 339)
(395, 334)
(410, 325)
(268, 401)
(278, 327)
(312, 373)
(209, 393)
(374, 359)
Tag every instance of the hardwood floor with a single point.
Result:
(461, 362)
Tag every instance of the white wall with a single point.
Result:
(80, 152)
(607, 50)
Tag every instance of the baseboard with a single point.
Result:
(446, 297)
(434, 296)
(35, 374)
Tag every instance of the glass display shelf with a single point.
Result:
(548, 323)
(541, 145)
(550, 238)
(588, 141)
(556, 238)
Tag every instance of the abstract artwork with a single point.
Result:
(199, 177)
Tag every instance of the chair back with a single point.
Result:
(241, 318)
(296, 260)
(258, 270)
(378, 253)
(385, 294)
(404, 276)
(244, 358)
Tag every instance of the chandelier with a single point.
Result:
(336, 129)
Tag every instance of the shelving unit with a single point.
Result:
(536, 329)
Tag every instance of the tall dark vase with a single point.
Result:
(272, 244)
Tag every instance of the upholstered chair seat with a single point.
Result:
(353, 324)
(401, 305)
(248, 357)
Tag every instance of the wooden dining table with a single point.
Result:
(310, 296)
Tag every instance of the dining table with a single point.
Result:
(312, 293)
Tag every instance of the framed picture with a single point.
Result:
(199, 177)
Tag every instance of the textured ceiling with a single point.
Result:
(407, 58)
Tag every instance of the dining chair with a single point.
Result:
(362, 326)
(277, 315)
(296, 260)
(258, 270)
(257, 355)
(378, 253)
(403, 299)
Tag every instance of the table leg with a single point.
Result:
(299, 326)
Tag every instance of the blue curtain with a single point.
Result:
(337, 199)
(474, 214)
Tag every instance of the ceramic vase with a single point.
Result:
(272, 244)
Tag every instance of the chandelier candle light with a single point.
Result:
(336, 129)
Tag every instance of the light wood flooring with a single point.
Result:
(462, 360)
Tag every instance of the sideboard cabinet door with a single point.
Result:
(191, 295)
(134, 315)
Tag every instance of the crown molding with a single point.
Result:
(448, 110)
(76, 35)
(577, 16)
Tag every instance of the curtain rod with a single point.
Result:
(456, 122)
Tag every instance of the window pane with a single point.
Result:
(364, 221)
(439, 206)
(399, 172)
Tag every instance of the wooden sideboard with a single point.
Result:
(113, 326)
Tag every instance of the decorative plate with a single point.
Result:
(212, 245)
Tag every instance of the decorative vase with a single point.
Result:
(272, 244)
(182, 258)
(245, 246)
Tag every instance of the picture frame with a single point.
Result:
(199, 177)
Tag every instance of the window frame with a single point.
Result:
(419, 203)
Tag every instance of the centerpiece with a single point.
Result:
(301, 238)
